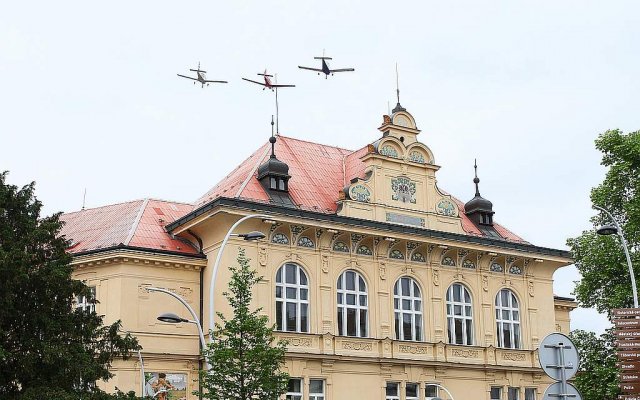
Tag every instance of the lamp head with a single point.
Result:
(171, 318)
(607, 230)
(254, 235)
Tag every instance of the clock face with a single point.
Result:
(401, 120)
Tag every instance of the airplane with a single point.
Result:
(267, 82)
(325, 68)
(201, 77)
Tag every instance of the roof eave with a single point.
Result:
(297, 212)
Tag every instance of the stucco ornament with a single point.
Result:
(446, 207)
(404, 190)
(360, 192)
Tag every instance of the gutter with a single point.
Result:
(135, 248)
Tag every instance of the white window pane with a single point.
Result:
(316, 386)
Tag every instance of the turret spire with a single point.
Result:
(476, 180)
(272, 140)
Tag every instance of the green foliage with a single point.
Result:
(47, 348)
(244, 357)
(597, 378)
(605, 280)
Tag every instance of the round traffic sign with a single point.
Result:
(555, 348)
(555, 389)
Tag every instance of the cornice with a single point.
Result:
(357, 223)
(121, 256)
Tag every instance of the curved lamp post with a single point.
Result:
(614, 228)
(255, 235)
(441, 387)
(175, 319)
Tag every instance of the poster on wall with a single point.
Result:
(165, 385)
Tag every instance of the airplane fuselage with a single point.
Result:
(325, 68)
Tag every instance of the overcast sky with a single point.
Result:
(89, 96)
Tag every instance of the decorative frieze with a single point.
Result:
(357, 346)
(514, 356)
(411, 349)
(465, 353)
(298, 341)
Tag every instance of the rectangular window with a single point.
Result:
(496, 393)
(430, 391)
(393, 391)
(411, 391)
(294, 389)
(530, 394)
(316, 389)
(86, 304)
(514, 393)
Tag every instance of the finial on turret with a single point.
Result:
(272, 140)
(398, 107)
(476, 180)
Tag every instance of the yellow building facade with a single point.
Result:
(381, 283)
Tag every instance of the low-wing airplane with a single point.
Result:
(201, 77)
(267, 82)
(325, 68)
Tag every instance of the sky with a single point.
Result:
(89, 96)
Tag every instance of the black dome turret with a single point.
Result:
(479, 209)
(273, 173)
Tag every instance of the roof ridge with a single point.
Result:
(128, 202)
(321, 144)
(253, 171)
(136, 222)
(106, 205)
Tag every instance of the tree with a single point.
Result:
(597, 377)
(605, 282)
(48, 349)
(244, 356)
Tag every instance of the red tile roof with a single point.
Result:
(138, 223)
(318, 173)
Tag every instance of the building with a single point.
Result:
(381, 282)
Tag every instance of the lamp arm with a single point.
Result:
(626, 253)
(195, 321)
(216, 265)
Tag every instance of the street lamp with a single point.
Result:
(175, 319)
(255, 235)
(614, 228)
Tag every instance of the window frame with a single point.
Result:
(300, 393)
(82, 302)
(406, 388)
(500, 390)
(387, 396)
(343, 307)
(465, 319)
(318, 396)
(298, 301)
(515, 339)
(399, 312)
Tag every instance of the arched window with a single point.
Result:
(292, 299)
(507, 320)
(407, 306)
(352, 305)
(459, 315)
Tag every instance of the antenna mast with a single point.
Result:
(397, 85)
(84, 198)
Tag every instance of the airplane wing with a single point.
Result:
(283, 85)
(259, 83)
(310, 69)
(216, 81)
(342, 70)
(188, 77)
